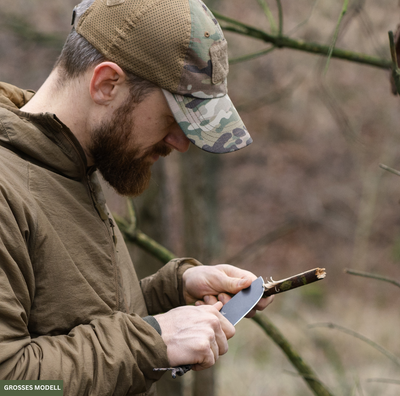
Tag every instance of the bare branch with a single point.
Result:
(384, 380)
(391, 170)
(263, 4)
(336, 34)
(251, 56)
(373, 276)
(280, 232)
(354, 334)
(305, 278)
(318, 388)
(236, 26)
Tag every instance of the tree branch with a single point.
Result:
(373, 276)
(236, 26)
(391, 170)
(271, 236)
(263, 4)
(336, 34)
(354, 334)
(384, 380)
(303, 369)
(132, 234)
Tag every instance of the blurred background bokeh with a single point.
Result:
(307, 193)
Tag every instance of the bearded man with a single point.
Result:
(135, 80)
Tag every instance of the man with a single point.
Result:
(135, 80)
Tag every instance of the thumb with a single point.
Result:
(218, 305)
(234, 285)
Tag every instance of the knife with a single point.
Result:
(234, 310)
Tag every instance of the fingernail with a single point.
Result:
(206, 299)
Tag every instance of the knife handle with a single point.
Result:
(179, 370)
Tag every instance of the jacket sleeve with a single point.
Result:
(163, 290)
(111, 355)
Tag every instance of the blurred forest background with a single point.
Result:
(307, 193)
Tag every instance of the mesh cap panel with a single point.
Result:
(147, 38)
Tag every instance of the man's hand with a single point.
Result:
(195, 335)
(205, 285)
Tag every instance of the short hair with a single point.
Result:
(78, 55)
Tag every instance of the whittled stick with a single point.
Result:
(274, 287)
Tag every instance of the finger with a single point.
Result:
(225, 330)
(251, 314)
(263, 303)
(215, 349)
(233, 285)
(210, 300)
(236, 272)
(210, 353)
(198, 303)
(224, 298)
(220, 343)
(218, 305)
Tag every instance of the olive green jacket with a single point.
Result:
(71, 305)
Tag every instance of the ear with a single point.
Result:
(106, 83)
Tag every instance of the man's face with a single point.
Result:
(125, 147)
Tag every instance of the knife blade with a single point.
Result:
(234, 310)
(243, 302)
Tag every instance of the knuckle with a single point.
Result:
(203, 347)
(224, 349)
(214, 322)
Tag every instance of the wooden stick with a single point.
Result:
(274, 287)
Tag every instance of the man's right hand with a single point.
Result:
(195, 335)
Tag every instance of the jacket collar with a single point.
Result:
(39, 138)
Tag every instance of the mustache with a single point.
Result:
(160, 149)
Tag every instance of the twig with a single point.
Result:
(270, 97)
(305, 278)
(286, 42)
(354, 334)
(300, 375)
(395, 67)
(391, 170)
(251, 56)
(304, 21)
(131, 233)
(384, 380)
(373, 276)
(263, 4)
(336, 34)
(264, 240)
(303, 368)
(280, 17)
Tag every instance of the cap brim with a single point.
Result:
(212, 124)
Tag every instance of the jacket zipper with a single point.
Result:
(100, 212)
(105, 218)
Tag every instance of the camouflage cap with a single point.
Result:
(179, 46)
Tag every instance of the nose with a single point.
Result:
(177, 140)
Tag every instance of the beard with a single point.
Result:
(116, 157)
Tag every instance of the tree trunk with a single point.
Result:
(153, 217)
(201, 231)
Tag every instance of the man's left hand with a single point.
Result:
(205, 285)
